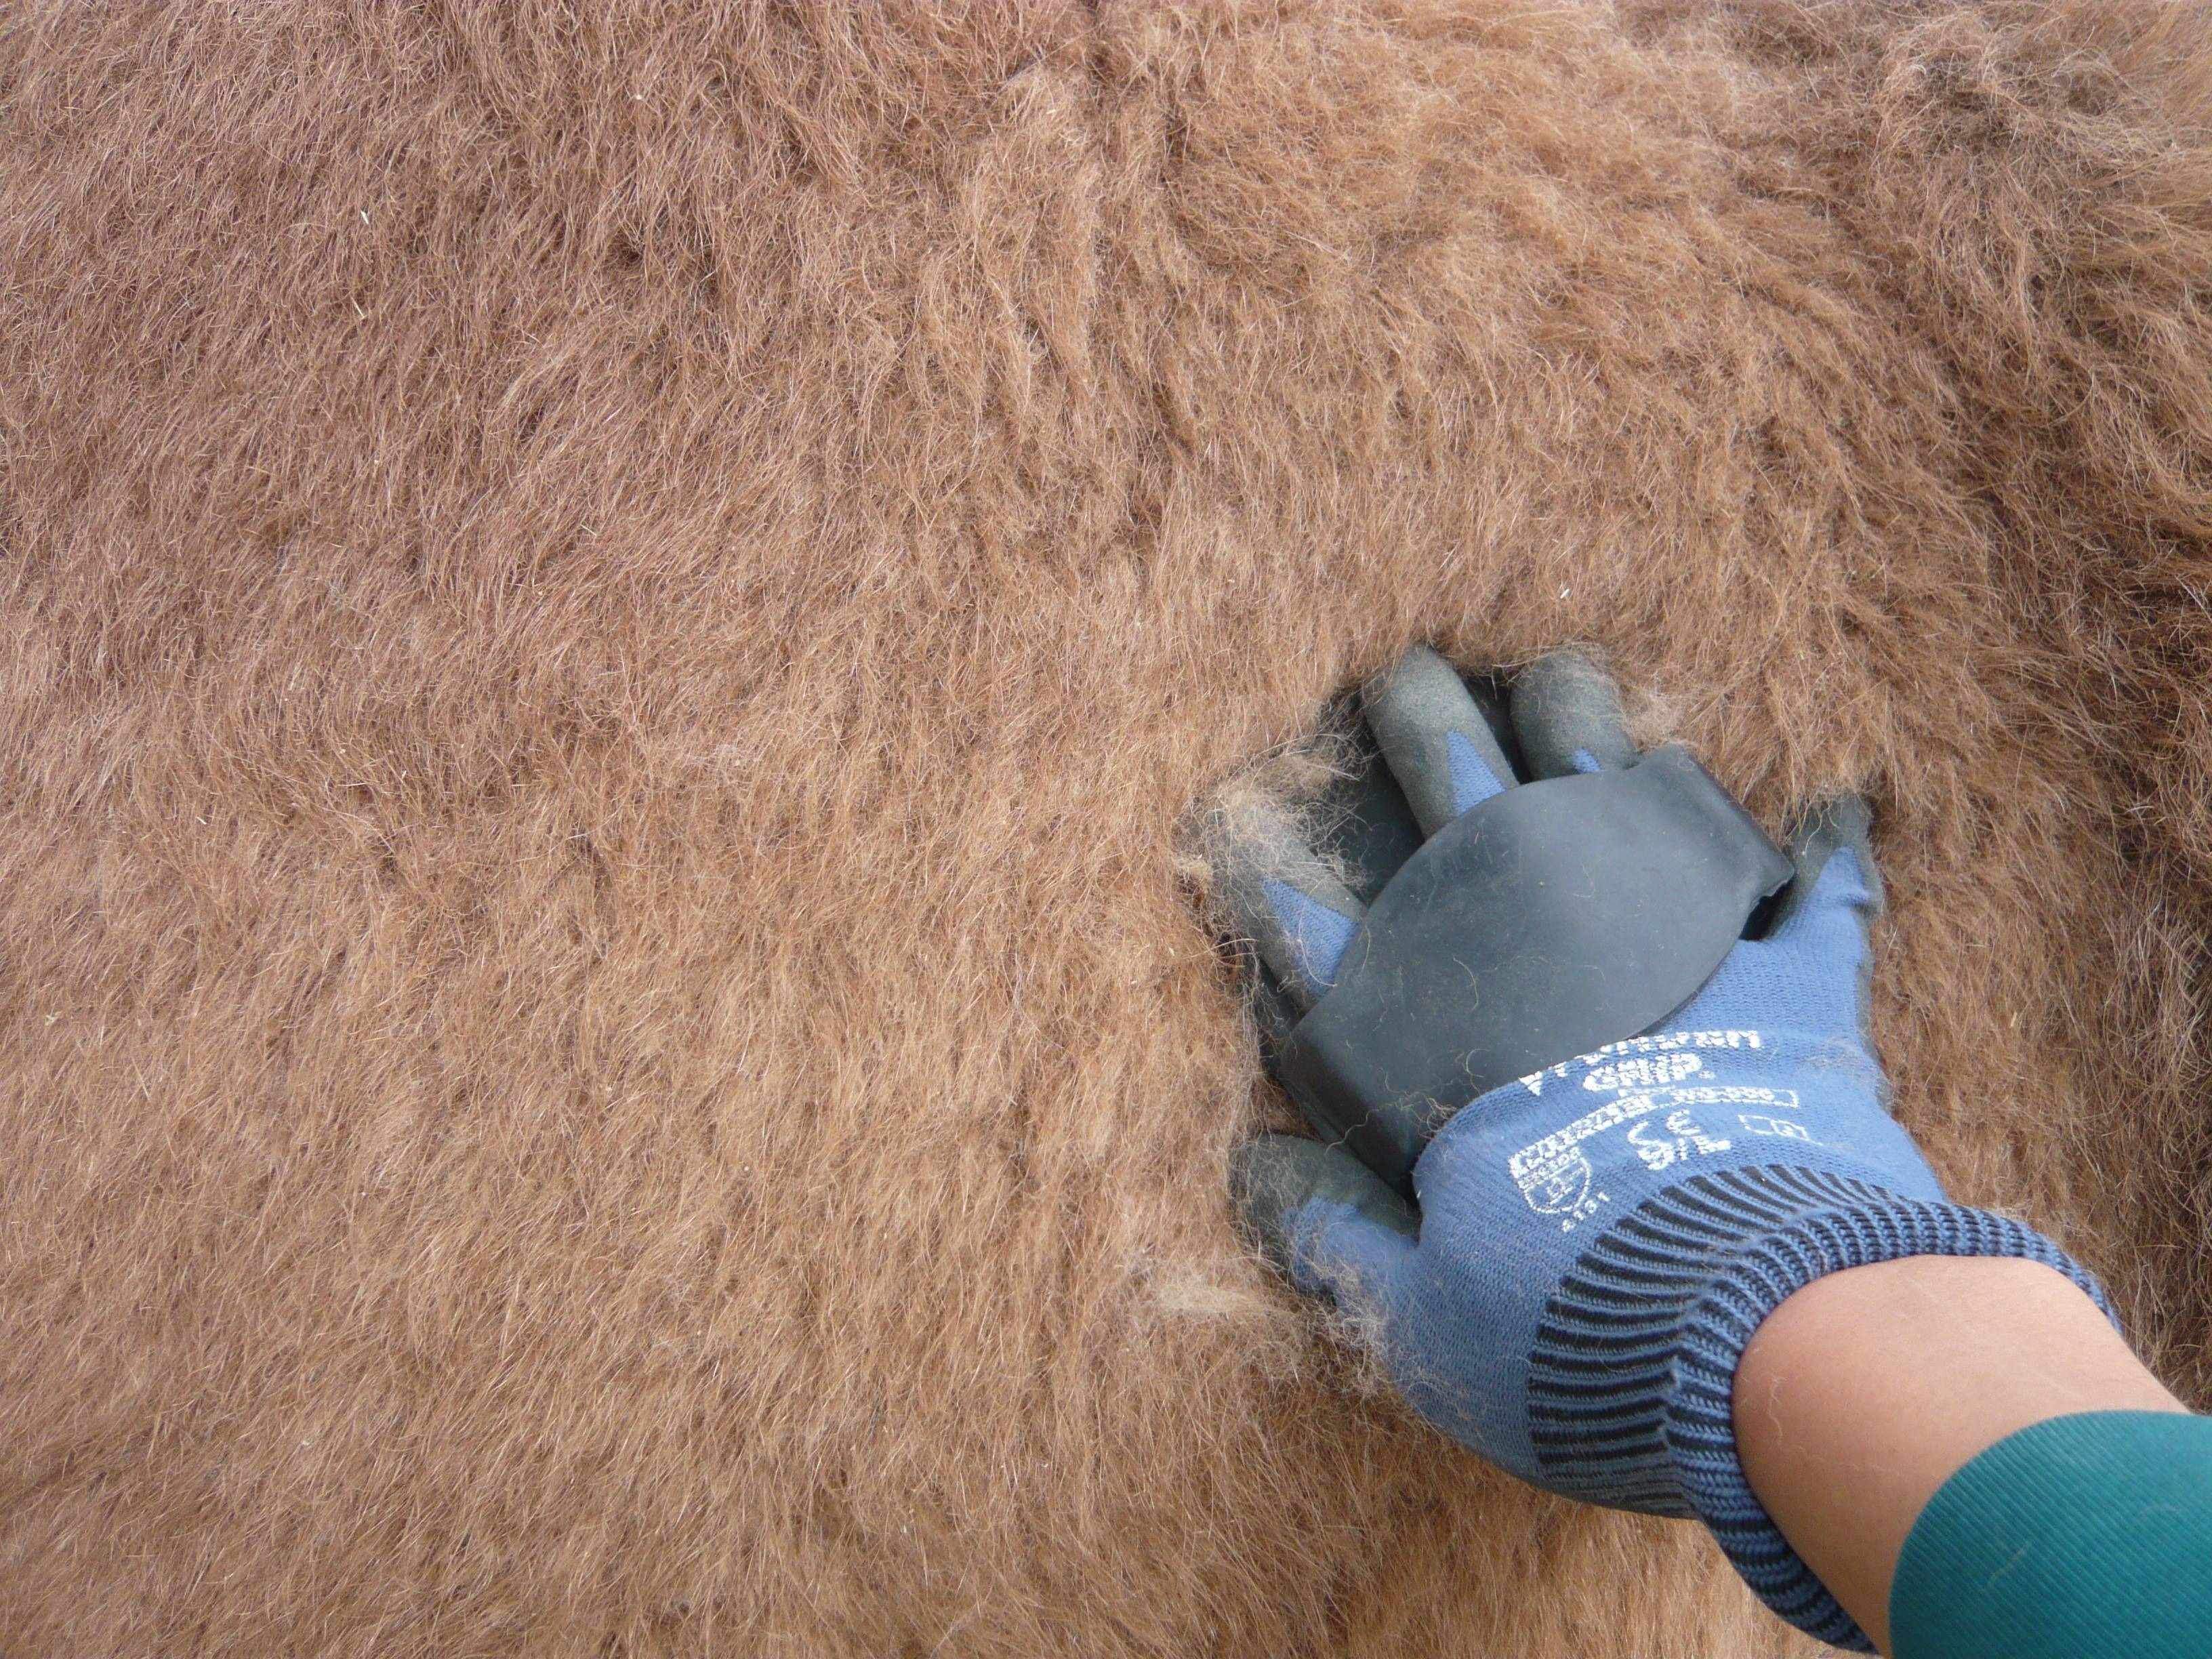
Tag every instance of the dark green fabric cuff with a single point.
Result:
(2077, 1537)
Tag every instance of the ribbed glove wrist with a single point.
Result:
(1630, 1391)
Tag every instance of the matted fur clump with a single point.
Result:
(615, 617)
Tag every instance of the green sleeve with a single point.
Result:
(2076, 1538)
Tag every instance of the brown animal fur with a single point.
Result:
(613, 617)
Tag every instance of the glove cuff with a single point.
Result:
(1749, 1281)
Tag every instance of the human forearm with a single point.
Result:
(1863, 1393)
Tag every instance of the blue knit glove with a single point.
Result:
(1594, 1243)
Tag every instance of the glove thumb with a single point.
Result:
(1325, 1218)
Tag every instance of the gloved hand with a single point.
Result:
(1588, 1245)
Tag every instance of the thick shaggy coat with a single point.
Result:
(613, 618)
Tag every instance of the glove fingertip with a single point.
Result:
(1840, 824)
(1567, 714)
(1279, 895)
(1321, 1216)
(1433, 731)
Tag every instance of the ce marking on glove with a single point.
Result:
(1683, 1140)
(1555, 1174)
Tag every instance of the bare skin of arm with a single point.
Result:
(1865, 1391)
